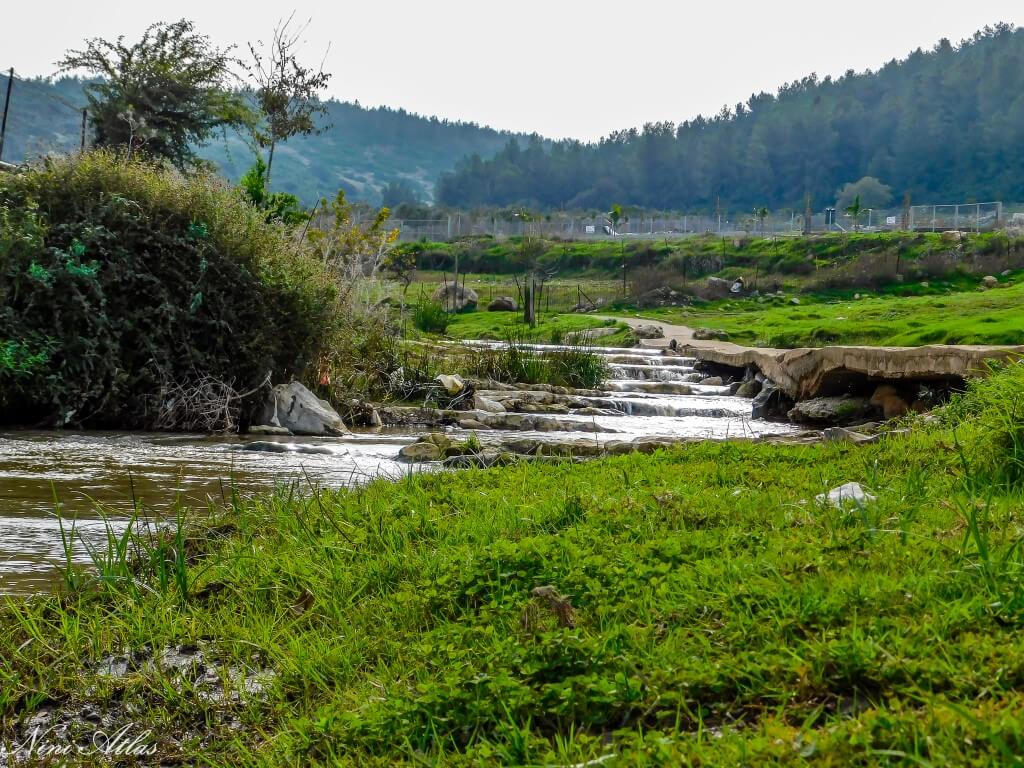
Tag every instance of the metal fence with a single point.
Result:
(974, 217)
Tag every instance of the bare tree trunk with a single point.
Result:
(270, 162)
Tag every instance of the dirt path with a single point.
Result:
(682, 335)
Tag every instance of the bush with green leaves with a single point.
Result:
(431, 317)
(118, 279)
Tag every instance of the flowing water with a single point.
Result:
(98, 478)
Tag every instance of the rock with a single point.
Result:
(794, 301)
(456, 297)
(889, 401)
(267, 447)
(925, 284)
(845, 495)
(1006, 272)
(503, 304)
(830, 410)
(295, 408)
(749, 389)
(767, 402)
(271, 447)
(710, 334)
(717, 287)
(441, 440)
(840, 435)
(266, 429)
(487, 405)
(712, 381)
(419, 452)
(952, 236)
(591, 411)
(649, 332)
(472, 425)
(989, 282)
(360, 413)
(452, 383)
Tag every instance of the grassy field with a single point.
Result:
(964, 316)
(551, 328)
(696, 606)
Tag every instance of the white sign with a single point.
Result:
(591, 229)
(890, 220)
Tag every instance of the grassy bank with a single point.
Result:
(553, 328)
(934, 316)
(693, 606)
(864, 258)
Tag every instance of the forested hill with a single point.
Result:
(945, 125)
(364, 150)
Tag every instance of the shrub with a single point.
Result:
(990, 421)
(120, 280)
(431, 317)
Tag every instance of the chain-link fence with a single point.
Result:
(971, 217)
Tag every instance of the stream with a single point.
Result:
(98, 478)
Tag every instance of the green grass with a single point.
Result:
(964, 317)
(698, 608)
(550, 328)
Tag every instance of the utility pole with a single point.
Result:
(7, 107)
(807, 214)
(85, 117)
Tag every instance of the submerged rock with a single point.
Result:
(295, 408)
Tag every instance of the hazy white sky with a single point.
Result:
(576, 68)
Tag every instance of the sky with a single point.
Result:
(561, 68)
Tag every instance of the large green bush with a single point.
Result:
(119, 280)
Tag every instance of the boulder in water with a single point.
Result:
(503, 304)
(456, 298)
(749, 389)
(295, 408)
(419, 452)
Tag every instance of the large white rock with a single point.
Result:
(294, 407)
(452, 383)
(850, 494)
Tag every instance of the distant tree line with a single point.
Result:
(943, 125)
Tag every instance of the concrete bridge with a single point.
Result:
(810, 372)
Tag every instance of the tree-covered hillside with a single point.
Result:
(945, 125)
(364, 150)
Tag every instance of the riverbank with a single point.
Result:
(697, 604)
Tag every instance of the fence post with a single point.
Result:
(7, 107)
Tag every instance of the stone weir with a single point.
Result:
(808, 373)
